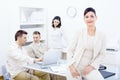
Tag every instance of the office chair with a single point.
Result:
(6, 75)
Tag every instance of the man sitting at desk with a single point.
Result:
(17, 58)
(36, 50)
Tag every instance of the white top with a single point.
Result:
(57, 39)
(88, 53)
(90, 42)
(36, 50)
(16, 59)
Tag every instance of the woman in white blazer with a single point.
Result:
(86, 51)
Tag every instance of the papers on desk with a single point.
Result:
(59, 69)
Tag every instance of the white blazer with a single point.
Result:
(77, 48)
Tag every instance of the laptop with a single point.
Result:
(50, 57)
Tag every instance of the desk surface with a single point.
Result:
(57, 69)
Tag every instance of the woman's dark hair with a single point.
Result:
(36, 32)
(89, 9)
(19, 33)
(58, 18)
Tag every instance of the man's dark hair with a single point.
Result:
(19, 33)
(36, 32)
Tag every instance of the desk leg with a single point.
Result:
(53, 77)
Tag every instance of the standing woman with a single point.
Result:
(56, 40)
(57, 37)
(86, 51)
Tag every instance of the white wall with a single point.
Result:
(9, 23)
(107, 12)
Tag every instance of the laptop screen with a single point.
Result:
(51, 57)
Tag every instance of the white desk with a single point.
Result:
(111, 61)
(60, 69)
(57, 69)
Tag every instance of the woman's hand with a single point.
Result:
(87, 70)
(74, 72)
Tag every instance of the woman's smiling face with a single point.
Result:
(90, 18)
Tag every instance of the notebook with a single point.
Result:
(51, 57)
(106, 74)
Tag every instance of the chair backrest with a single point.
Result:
(6, 75)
